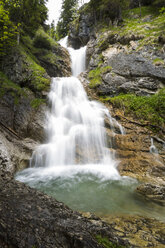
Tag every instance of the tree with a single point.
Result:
(29, 14)
(68, 13)
(18, 16)
(107, 9)
(8, 30)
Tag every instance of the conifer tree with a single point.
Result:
(68, 13)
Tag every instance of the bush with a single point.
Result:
(41, 42)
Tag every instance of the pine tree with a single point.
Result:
(68, 13)
(8, 30)
(18, 16)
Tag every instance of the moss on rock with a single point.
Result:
(7, 85)
(104, 241)
(95, 76)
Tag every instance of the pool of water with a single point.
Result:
(86, 189)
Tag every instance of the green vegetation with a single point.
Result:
(18, 17)
(7, 85)
(158, 61)
(95, 76)
(37, 102)
(42, 47)
(149, 109)
(8, 30)
(146, 26)
(68, 14)
(38, 78)
(106, 243)
(43, 40)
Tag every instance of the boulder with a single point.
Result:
(153, 192)
(135, 65)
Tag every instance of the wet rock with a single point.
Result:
(15, 153)
(21, 117)
(140, 231)
(81, 31)
(31, 219)
(152, 192)
(90, 50)
(5, 162)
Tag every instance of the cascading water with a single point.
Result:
(153, 148)
(75, 126)
(75, 165)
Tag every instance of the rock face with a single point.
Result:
(155, 193)
(81, 30)
(57, 63)
(22, 118)
(132, 71)
(141, 232)
(21, 129)
(21, 69)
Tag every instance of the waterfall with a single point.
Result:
(75, 125)
(75, 165)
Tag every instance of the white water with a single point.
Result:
(153, 148)
(75, 128)
(77, 57)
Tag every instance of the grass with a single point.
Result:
(38, 80)
(133, 24)
(144, 108)
(106, 243)
(158, 61)
(95, 76)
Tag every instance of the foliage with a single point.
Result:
(8, 30)
(68, 13)
(17, 17)
(35, 103)
(41, 42)
(7, 85)
(106, 243)
(52, 31)
(38, 80)
(106, 10)
(147, 29)
(145, 108)
(29, 13)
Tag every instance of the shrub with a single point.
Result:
(42, 42)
